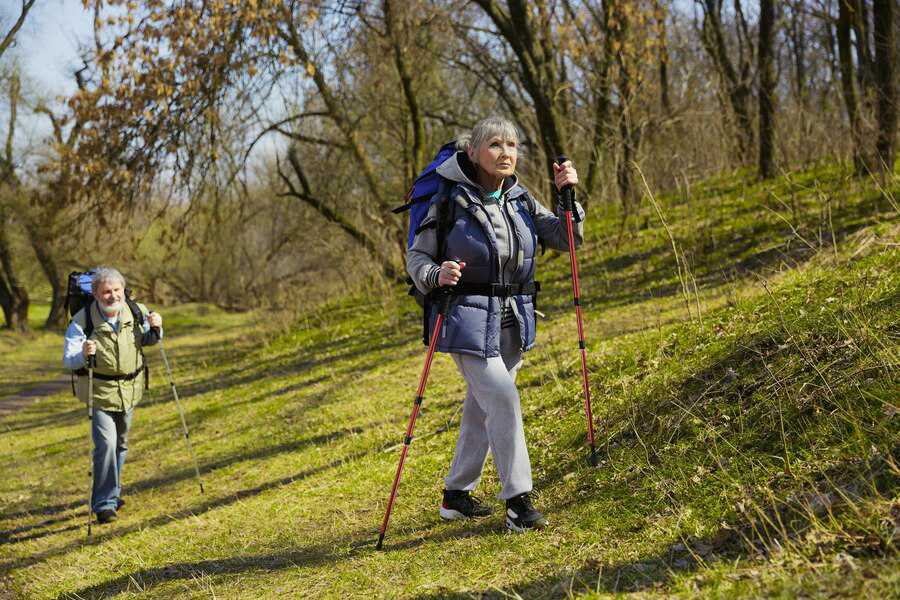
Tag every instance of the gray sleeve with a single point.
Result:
(552, 227)
(421, 258)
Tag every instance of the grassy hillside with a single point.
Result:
(744, 375)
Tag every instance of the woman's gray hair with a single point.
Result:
(102, 274)
(484, 130)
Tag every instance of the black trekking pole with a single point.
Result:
(184, 427)
(567, 194)
(420, 395)
(91, 361)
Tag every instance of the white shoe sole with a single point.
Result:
(448, 514)
(513, 527)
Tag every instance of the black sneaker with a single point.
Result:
(107, 516)
(459, 504)
(119, 503)
(520, 515)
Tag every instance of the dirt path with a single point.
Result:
(16, 402)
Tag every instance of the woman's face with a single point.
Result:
(497, 157)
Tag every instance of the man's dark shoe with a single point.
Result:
(459, 504)
(119, 503)
(521, 515)
(107, 516)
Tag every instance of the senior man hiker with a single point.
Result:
(109, 329)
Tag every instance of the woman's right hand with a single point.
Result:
(451, 271)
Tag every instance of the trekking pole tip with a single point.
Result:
(592, 458)
(380, 541)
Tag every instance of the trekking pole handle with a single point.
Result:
(91, 361)
(567, 194)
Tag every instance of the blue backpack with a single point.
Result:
(424, 191)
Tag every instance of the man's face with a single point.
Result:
(109, 296)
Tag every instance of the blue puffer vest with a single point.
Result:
(473, 323)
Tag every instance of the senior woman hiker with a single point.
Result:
(489, 244)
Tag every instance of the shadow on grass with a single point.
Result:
(338, 356)
(361, 543)
(743, 537)
(120, 528)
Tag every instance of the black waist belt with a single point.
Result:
(501, 290)
(82, 372)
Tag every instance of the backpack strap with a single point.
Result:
(444, 219)
(531, 204)
(137, 314)
(88, 327)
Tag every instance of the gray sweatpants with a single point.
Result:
(492, 418)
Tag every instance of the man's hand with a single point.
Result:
(89, 348)
(451, 271)
(155, 320)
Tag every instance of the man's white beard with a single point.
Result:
(111, 310)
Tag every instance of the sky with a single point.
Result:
(46, 46)
(46, 52)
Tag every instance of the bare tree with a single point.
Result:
(845, 25)
(767, 83)
(884, 14)
(14, 299)
(735, 74)
(528, 29)
(10, 36)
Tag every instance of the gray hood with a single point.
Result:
(459, 169)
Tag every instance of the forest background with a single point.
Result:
(247, 154)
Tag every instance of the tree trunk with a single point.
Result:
(848, 84)
(13, 295)
(602, 101)
(736, 78)
(537, 68)
(391, 21)
(659, 13)
(797, 36)
(766, 89)
(884, 12)
(46, 255)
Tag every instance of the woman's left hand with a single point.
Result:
(565, 174)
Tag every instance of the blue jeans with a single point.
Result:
(109, 430)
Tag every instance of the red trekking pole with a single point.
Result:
(420, 395)
(567, 194)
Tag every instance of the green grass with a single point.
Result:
(26, 357)
(748, 430)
